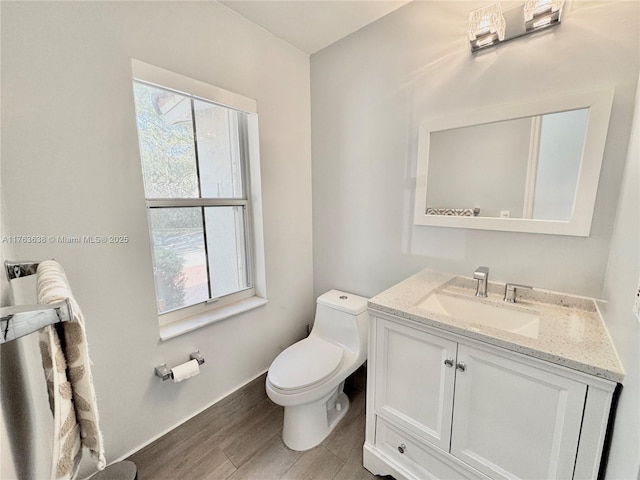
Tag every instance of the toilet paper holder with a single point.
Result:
(165, 372)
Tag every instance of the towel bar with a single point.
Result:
(18, 321)
(20, 269)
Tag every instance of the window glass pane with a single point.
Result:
(226, 247)
(218, 151)
(165, 135)
(180, 265)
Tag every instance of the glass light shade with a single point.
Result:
(486, 21)
(534, 8)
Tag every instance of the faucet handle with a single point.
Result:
(510, 291)
(481, 273)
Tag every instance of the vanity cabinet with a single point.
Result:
(442, 405)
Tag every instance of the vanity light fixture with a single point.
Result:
(486, 26)
(541, 13)
(489, 25)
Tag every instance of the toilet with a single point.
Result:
(308, 377)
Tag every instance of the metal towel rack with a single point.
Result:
(18, 321)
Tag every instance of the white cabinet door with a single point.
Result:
(414, 386)
(513, 420)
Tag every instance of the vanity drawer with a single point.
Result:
(416, 458)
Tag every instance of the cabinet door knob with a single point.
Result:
(461, 366)
(402, 448)
(448, 362)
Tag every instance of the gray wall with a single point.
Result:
(370, 92)
(561, 144)
(621, 281)
(70, 166)
(482, 166)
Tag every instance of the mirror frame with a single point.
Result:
(599, 104)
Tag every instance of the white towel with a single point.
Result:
(69, 383)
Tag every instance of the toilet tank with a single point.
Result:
(342, 318)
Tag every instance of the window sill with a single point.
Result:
(180, 327)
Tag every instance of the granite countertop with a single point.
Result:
(570, 331)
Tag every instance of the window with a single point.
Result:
(195, 153)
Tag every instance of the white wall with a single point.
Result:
(70, 166)
(371, 90)
(623, 272)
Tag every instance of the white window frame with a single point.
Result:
(189, 318)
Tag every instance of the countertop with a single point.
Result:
(570, 333)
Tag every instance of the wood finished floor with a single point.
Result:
(240, 438)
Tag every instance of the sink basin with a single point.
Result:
(474, 311)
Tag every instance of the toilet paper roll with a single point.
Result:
(185, 370)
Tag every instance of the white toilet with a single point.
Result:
(307, 378)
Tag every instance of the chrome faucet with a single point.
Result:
(482, 275)
(510, 291)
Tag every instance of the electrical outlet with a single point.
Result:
(505, 213)
(636, 302)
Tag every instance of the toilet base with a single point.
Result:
(305, 426)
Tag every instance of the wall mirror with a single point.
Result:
(523, 168)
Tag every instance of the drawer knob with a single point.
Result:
(448, 362)
(402, 448)
(461, 366)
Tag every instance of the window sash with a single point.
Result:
(246, 225)
(152, 203)
(196, 308)
(240, 131)
(161, 78)
(203, 307)
(196, 202)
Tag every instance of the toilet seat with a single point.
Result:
(306, 363)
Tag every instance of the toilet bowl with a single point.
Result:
(308, 377)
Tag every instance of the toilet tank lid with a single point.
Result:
(346, 302)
